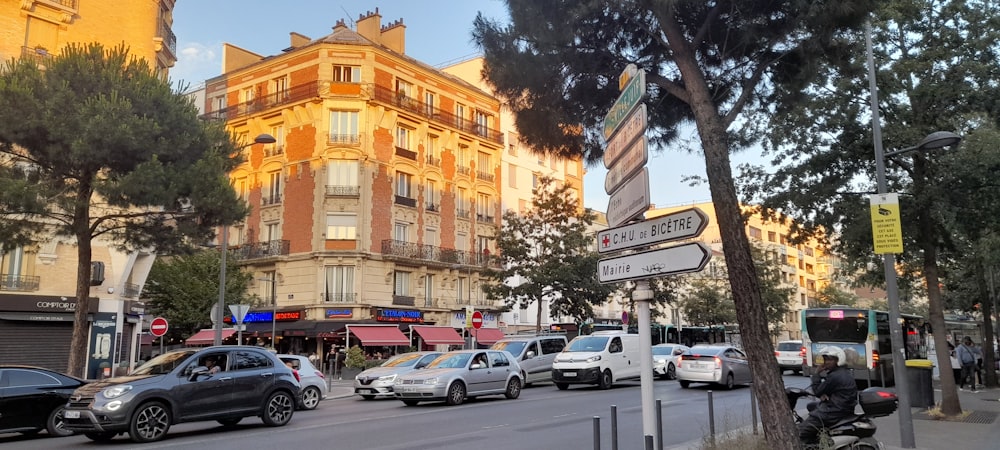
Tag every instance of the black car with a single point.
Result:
(32, 399)
(180, 386)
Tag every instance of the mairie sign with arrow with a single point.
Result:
(675, 260)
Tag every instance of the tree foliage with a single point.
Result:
(97, 145)
(708, 63)
(185, 288)
(544, 255)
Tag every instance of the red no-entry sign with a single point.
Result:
(477, 320)
(158, 327)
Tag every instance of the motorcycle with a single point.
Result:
(853, 432)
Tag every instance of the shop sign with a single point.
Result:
(266, 316)
(334, 313)
(399, 315)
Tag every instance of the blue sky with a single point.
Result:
(438, 32)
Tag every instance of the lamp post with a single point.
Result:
(224, 246)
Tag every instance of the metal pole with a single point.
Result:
(711, 419)
(274, 315)
(649, 442)
(597, 433)
(614, 427)
(906, 436)
(641, 295)
(221, 307)
(659, 425)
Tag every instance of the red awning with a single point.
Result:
(487, 336)
(438, 335)
(207, 336)
(379, 335)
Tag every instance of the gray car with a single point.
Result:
(379, 381)
(458, 375)
(312, 380)
(716, 364)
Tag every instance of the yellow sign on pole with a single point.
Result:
(887, 229)
(468, 316)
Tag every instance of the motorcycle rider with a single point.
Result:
(834, 385)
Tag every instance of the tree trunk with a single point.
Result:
(538, 316)
(81, 227)
(986, 306)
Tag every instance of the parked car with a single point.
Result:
(177, 387)
(379, 381)
(665, 360)
(717, 364)
(458, 375)
(534, 354)
(791, 355)
(313, 382)
(32, 399)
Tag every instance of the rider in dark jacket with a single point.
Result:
(837, 391)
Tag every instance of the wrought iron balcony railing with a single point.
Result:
(406, 201)
(423, 252)
(434, 161)
(340, 297)
(169, 39)
(462, 213)
(352, 139)
(273, 200)
(464, 170)
(406, 153)
(261, 250)
(342, 191)
(10, 282)
(484, 176)
(414, 106)
(291, 95)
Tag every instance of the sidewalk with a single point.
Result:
(339, 388)
(980, 430)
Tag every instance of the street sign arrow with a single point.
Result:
(630, 200)
(633, 93)
(633, 159)
(684, 258)
(684, 224)
(633, 127)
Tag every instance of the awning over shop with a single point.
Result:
(438, 335)
(207, 336)
(378, 335)
(487, 336)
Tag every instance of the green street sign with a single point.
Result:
(627, 101)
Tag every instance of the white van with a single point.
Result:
(534, 354)
(601, 358)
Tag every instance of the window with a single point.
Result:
(616, 345)
(248, 94)
(268, 287)
(512, 175)
(341, 172)
(484, 206)
(483, 245)
(404, 91)
(431, 146)
(403, 187)
(430, 102)
(482, 123)
(403, 137)
(809, 251)
(772, 236)
(240, 186)
(341, 226)
(462, 202)
(250, 359)
(463, 155)
(401, 232)
(460, 114)
(461, 290)
(402, 284)
(279, 86)
(277, 148)
(346, 74)
(339, 283)
(16, 378)
(755, 233)
(344, 126)
(461, 241)
(272, 232)
(219, 103)
(428, 290)
(431, 196)
(484, 164)
(273, 188)
(512, 149)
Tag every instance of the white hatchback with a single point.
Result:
(791, 355)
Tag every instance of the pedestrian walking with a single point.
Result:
(966, 353)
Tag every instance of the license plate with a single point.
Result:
(409, 389)
(569, 374)
(71, 414)
(365, 391)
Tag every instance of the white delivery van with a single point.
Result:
(601, 358)
(534, 354)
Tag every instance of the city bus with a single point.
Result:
(865, 337)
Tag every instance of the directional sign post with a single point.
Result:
(630, 97)
(630, 130)
(684, 224)
(629, 200)
(675, 260)
(633, 158)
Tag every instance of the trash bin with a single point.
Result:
(919, 377)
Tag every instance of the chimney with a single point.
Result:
(298, 40)
(340, 25)
(370, 26)
(394, 36)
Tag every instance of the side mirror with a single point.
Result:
(529, 355)
(200, 370)
(419, 366)
(476, 366)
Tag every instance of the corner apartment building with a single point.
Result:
(520, 169)
(808, 267)
(38, 282)
(380, 198)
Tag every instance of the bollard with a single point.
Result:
(711, 419)
(597, 432)
(649, 442)
(659, 425)
(753, 407)
(614, 427)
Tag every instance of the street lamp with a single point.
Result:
(263, 138)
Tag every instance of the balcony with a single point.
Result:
(405, 153)
(406, 201)
(293, 95)
(37, 54)
(344, 139)
(416, 107)
(274, 150)
(484, 176)
(433, 208)
(342, 191)
(410, 251)
(462, 213)
(404, 300)
(464, 170)
(485, 218)
(166, 35)
(270, 201)
(24, 283)
(259, 250)
(131, 290)
(433, 161)
(340, 297)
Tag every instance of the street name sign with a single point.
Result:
(630, 200)
(684, 224)
(630, 97)
(684, 258)
(634, 158)
(630, 130)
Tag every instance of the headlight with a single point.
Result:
(431, 380)
(113, 405)
(594, 358)
(117, 391)
(389, 378)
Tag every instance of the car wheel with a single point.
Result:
(456, 393)
(730, 381)
(605, 381)
(368, 397)
(513, 389)
(685, 384)
(230, 421)
(866, 443)
(562, 386)
(310, 398)
(411, 402)
(278, 409)
(55, 423)
(150, 422)
(671, 372)
(101, 436)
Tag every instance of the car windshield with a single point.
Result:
(163, 364)
(404, 360)
(587, 344)
(450, 361)
(789, 346)
(514, 347)
(705, 351)
(663, 350)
